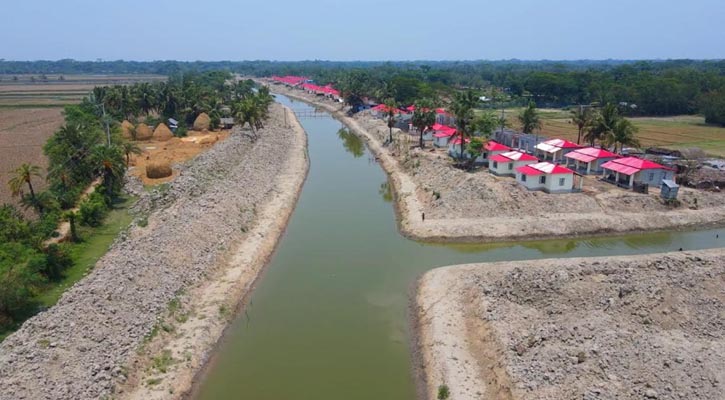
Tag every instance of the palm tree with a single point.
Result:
(581, 117)
(603, 124)
(529, 119)
(462, 107)
(423, 116)
(108, 161)
(23, 176)
(623, 134)
(130, 148)
(71, 217)
(391, 109)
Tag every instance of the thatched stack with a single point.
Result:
(158, 170)
(202, 122)
(127, 129)
(162, 133)
(143, 132)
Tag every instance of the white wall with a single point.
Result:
(440, 141)
(532, 182)
(552, 183)
(653, 177)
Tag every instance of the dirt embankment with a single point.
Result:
(147, 317)
(633, 327)
(462, 206)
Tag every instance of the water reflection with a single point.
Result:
(386, 191)
(351, 142)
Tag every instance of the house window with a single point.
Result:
(542, 179)
(651, 176)
(523, 178)
(511, 166)
(495, 164)
(561, 181)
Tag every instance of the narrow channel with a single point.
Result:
(328, 318)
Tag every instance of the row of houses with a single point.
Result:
(308, 85)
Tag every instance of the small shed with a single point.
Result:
(669, 189)
(173, 124)
(227, 122)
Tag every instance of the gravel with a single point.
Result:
(79, 348)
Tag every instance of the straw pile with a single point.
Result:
(127, 129)
(158, 170)
(162, 133)
(143, 132)
(202, 122)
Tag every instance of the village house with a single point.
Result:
(518, 140)
(589, 160)
(454, 147)
(546, 176)
(442, 134)
(491, 149)
(505, 164)
(555, 149)
(627, 171)
(443, 117)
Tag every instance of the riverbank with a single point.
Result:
(477, 207)
(647, 326)
(170, 282)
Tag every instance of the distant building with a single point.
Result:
(491, 149)
(442, 134)
(551, 178)
(555, 149)
(227, 122)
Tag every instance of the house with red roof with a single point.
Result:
(442, 134)
(627, 171)
(491, 149)
(555, 149)
(505, 164)
(589, 160)
(443, 117)
(546, 176)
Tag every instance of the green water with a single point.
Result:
(328, 319)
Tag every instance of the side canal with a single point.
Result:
(328, 318)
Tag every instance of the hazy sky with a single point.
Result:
(368, 30)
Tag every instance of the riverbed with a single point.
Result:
(328, 319)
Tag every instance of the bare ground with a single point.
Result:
(463, 206)
(632, 327)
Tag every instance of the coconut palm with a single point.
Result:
(603, 124)
(108, 162)
(130, 148)
(391, 108)
(529, 119)
(462, 108)
(623, 134)
(582, 117)
(424, 116)
(71, 217)
(23, 175)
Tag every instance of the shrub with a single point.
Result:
(93, 210)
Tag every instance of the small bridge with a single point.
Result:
(310, 113)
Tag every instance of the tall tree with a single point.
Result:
(424, 116)
(486, 123)
(22, 176)
(462, 108)
(109, 164)
(603, 124)
(623, 134)
(582, 117)
(128, 149)
(391, 109)
(529, 119)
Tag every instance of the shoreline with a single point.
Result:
(147, 317)
(408, 207)
(468, 328)
(235, 285)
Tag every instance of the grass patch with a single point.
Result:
(163, 361)
(95, 244)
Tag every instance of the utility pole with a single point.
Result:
(105, 121)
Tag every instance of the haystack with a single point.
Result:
(126, 129)
(202, 122)
(143, 132)
(163, 133)
(158, 170)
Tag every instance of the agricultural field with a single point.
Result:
(678, 132)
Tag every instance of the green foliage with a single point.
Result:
(529, 119)
(93, 209)
(485, 123)
(712, 105)
(475, 147)
(352, 143)
(443, 392)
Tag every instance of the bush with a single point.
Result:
(93, 210)
(18, 280)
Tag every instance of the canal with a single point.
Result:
(328, 318)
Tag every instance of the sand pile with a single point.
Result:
(162, 133)
(158, 170)
(143, 132)
(202, 122)
(127, 129)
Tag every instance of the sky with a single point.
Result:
(214, 30)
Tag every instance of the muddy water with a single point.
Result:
(328, 319)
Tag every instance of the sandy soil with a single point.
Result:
(172, 151)
(23, 132)
(478, 206)
(635, 327)
(194, 340)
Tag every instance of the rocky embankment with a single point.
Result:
(201, 239)
(634, 327)
(462, 206)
